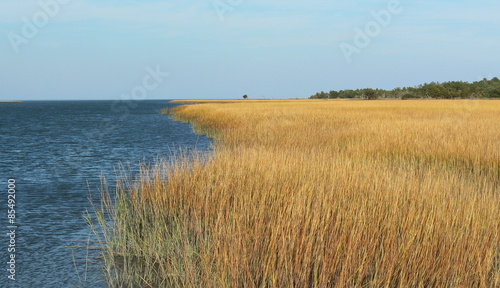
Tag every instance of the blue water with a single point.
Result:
(56, 151)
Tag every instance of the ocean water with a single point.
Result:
(55, 151)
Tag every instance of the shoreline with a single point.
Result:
(225, 101)
(351, 172)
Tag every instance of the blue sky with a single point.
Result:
(85, 49)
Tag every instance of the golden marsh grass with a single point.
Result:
(312, 193)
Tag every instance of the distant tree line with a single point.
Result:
(434, 90)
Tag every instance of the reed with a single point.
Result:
(311, 193)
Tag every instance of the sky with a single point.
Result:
(223, 49)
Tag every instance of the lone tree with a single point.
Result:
(245, 96)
